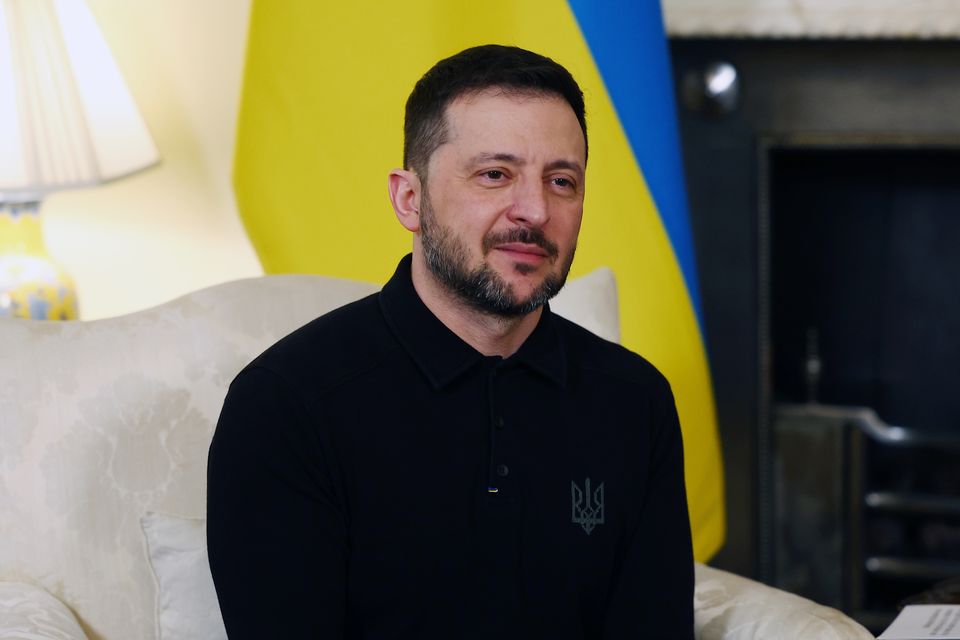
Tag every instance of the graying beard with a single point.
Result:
(482, 288)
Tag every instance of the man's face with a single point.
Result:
(502, 205)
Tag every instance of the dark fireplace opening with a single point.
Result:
(865, 285)
(864, 348)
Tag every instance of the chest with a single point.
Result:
(506, 473)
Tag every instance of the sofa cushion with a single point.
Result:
(729, 607)
(187, 607)
(27, 612)
(591, 302)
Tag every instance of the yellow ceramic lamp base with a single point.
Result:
(32, 285)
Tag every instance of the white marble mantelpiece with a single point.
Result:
(921, 19)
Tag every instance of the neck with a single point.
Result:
(490, 334)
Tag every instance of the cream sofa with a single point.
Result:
(104, 429)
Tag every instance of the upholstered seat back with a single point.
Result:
(101, 421)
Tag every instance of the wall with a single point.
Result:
(812, 18)
(173, 228)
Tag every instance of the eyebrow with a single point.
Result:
(481, 158)
(565, 164)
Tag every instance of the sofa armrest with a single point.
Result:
(730, 607)
(29, 612)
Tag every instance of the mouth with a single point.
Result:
(523, 252)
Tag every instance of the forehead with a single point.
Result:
(500, 121)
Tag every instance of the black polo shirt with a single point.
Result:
(373, 476)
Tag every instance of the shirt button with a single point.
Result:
(500, 423)
(503, 471)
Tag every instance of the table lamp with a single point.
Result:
(67, 120)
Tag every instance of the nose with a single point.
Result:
(529, 207)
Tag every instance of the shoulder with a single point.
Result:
(595, 356)
(331, 348)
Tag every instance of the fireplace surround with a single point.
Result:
(825, 205)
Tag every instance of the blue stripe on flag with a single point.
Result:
(629, 47)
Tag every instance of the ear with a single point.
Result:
(405, 196)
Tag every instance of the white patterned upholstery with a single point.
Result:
(103, 421)
(30, 613)
(728, 607)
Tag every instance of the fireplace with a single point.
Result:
(825, 203)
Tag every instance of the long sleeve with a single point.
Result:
(276, 530)
(653, 595)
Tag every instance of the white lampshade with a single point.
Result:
(67, 119)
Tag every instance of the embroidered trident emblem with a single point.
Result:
(587, 506)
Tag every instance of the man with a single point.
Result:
(447, 458)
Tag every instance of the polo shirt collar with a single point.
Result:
(442, 355)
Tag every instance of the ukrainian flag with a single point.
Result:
(321, 125)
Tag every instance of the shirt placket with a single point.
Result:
(500, 486)
(499, 525)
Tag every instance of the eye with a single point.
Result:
(566, 183)
(493, 174)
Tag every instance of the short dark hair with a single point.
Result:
(512, 69)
